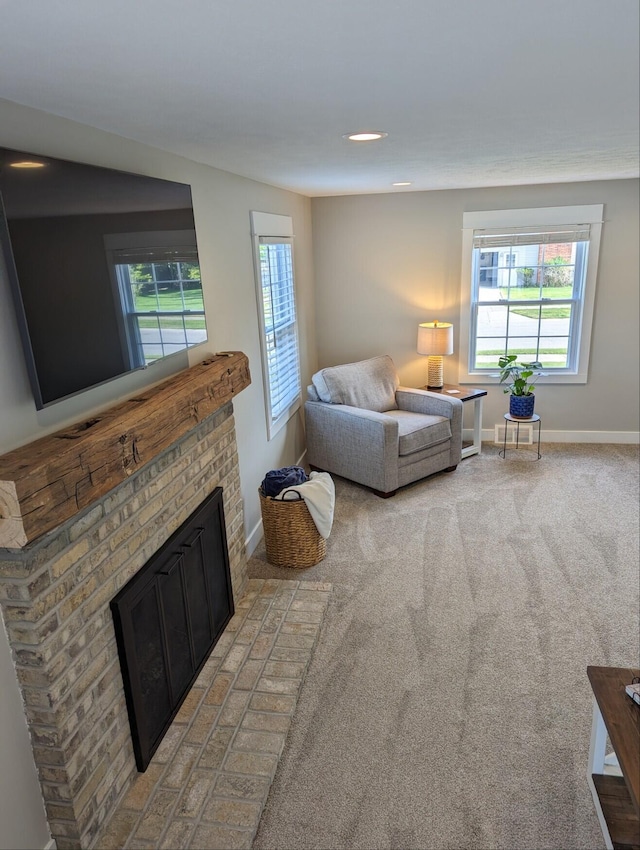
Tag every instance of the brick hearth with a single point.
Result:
(206, 785)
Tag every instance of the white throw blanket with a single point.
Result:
(319, 493)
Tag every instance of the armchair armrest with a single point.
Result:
(422, 401)
(358, 444)
(435, 404)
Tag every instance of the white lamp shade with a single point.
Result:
(435, 338)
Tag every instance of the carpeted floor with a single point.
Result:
(447, 704)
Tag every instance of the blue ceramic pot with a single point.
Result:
(521, 406)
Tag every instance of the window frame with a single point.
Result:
(275, 229)
(581, 331)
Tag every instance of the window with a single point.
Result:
(156, 277)
(528, 286)
(272, 238)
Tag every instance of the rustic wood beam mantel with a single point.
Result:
(46, 482)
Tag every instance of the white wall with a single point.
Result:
(384, 263)
(222, 203)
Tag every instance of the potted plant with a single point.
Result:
(521, 378)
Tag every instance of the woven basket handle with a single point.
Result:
(296, 492)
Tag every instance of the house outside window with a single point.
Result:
(275, 290)
(528, 287)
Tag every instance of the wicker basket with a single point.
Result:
(290, 534)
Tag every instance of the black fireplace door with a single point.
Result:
(167, 620)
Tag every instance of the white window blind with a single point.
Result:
(487, 239)
(278, 321)
(150, 254)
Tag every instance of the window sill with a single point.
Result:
(493, 379)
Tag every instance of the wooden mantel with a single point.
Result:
(46, 482)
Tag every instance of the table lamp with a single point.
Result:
(435, 339)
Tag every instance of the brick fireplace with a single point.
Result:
(55, 595)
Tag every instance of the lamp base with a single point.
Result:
(435, 372)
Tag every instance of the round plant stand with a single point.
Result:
(518, 422)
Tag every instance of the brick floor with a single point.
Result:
(209, 779)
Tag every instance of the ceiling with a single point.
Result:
(491, 93)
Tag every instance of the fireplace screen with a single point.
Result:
(167, 620)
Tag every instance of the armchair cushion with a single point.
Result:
(369, 384)
(418, 431)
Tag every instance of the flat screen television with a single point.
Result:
(103, 267)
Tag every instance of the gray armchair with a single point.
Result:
(362, 425)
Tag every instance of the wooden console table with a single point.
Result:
(616, 798)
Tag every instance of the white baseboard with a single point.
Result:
(617, 437)
(256, 535)
(51, 845)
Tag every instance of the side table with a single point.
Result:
(466, 394)
(616, 795)
(531, 421)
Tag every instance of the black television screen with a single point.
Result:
(103, 267)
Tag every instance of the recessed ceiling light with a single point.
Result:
(27, 164)
(365, 136)
(402, 183)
